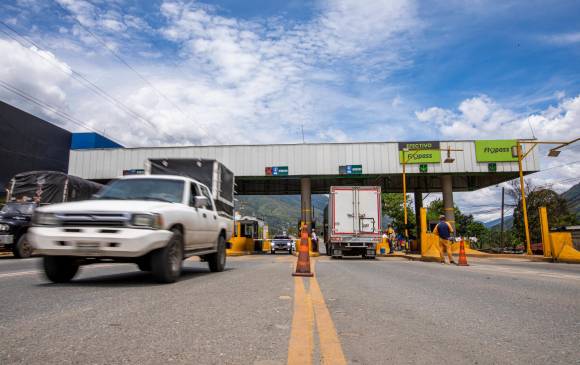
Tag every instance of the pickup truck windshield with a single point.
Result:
(144, 189)
(19, 208)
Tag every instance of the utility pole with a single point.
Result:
(502, 208)
(302, 129)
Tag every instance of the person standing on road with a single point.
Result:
(314, 239)
(444, 230)
(391, 238)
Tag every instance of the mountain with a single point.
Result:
(508, 221)
(572, 196)
(280, 212)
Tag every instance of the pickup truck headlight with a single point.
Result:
(45, 219)
(4, 227)
(147, 221)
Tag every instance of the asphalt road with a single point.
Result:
(367, 312)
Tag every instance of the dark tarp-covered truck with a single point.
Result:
(28, 190)
(211, 173)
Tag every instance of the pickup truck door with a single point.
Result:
(194, 229)
(210, 217)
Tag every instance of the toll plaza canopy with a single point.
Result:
(278, 168)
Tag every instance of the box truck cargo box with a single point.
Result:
(353, 221)
(217, 177)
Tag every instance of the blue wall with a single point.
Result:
(84, 141)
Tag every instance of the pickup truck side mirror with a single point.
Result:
(201, 202)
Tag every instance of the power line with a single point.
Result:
(79, 77)
(32, 99)
(555, 167)
(570, 179)
(122, 60)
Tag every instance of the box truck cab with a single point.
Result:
(353, 221)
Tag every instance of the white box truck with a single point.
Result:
(352, 221)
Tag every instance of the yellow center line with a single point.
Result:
(307, 306)
(330, 347)
(301, 337)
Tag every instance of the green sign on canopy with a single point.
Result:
(420, 156)
(495, 150)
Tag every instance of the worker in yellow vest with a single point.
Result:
(391, 236)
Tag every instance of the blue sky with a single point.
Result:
(257, 70)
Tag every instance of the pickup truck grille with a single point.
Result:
(94, 219)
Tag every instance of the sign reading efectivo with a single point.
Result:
(420, 152)
(425, 145)
(277, 171)
(495, 150)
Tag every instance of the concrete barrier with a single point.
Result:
(557, 245)
(240, 246)
(430, 250)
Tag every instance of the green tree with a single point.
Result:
(465, 224)
(558, 213)
(393, 207)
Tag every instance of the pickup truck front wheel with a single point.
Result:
(217, 261)
(60, 269)
(166, 262)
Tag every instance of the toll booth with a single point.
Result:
(248, 236)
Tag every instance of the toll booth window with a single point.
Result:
(248, 230)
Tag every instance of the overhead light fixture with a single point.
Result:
(554, 153)
(449, 159)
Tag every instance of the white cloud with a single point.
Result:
(562, 39)
(46, 77)
(258, 80)
(483, 118)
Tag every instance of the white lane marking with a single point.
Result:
(18, 273)
(509, 270)
(24, 273)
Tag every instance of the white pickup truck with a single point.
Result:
(155, 221)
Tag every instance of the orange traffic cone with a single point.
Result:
(303, 265)
(462, 255)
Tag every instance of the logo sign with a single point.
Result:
(133, 172)
(492, 167)
(426, 145)
(495, 150)
(423, 167)
(277, 171)
(420, 152)
(350, 170)
(420, 156)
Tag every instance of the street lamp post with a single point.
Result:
(404, 161)
(405, 219)
(554, 152)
